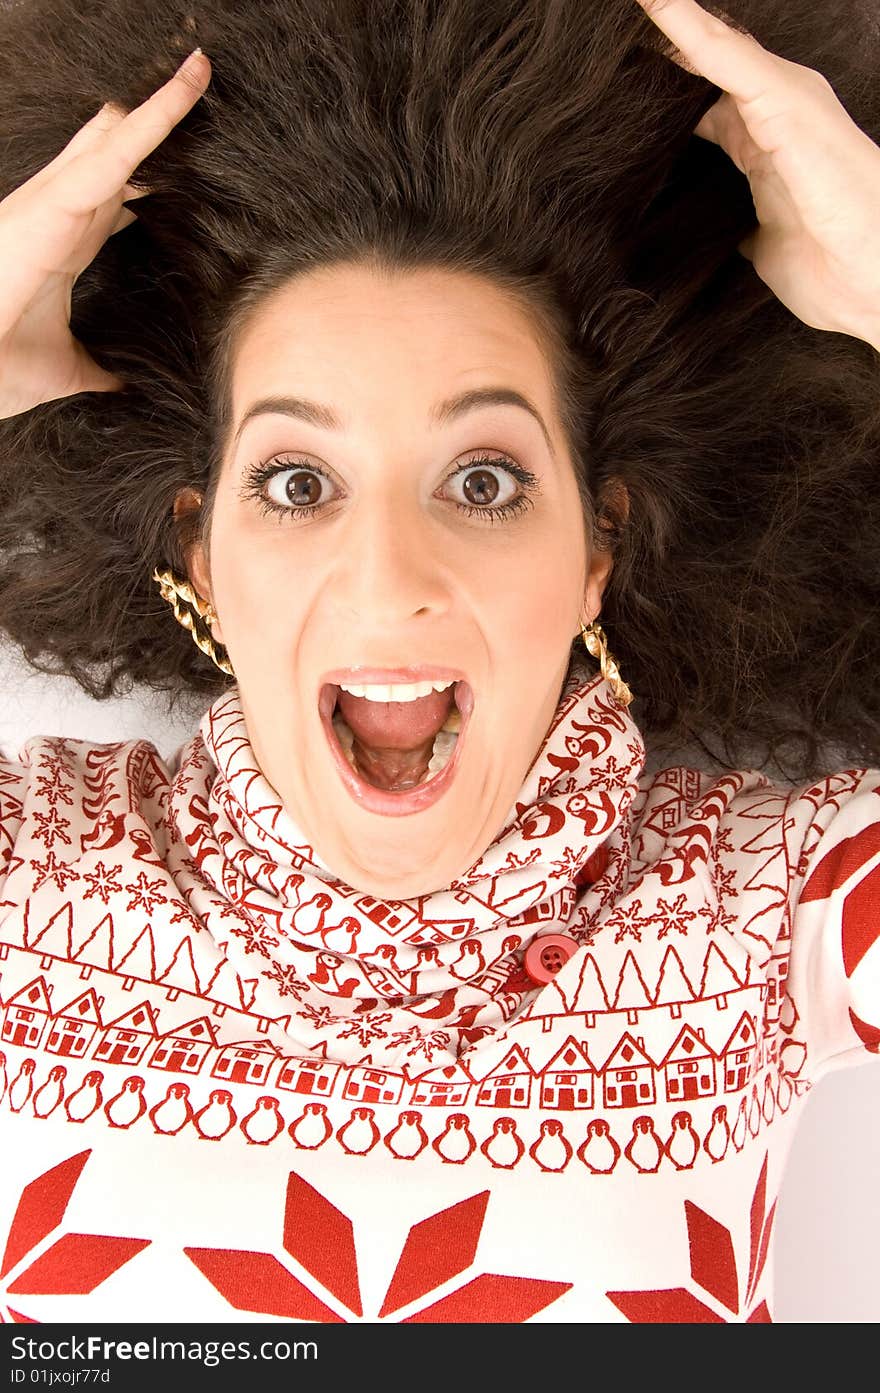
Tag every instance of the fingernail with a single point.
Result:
(195, 65)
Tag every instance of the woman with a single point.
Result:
(399, 385)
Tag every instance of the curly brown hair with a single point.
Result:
(546, 144)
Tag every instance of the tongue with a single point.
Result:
(395, 725)
(394, 740)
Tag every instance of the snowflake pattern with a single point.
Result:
(146, 893)
(74, 1263)
(628, 920)
(426, 1045)
(60, 872)
(257, 938)
(50, 827)
(673, 916)
(713, 1270)
(102, 882)
(320, 1240)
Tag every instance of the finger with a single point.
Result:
(727, 56)
(86, 138)
(130, 193)
(126, 217)
(94, 177)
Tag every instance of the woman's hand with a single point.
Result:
(54, 225)
(814, 174)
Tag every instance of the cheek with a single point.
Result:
(541, 593)
(258, 592)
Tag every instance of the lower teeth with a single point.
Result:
(444, 744)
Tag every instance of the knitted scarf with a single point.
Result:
(402, 983)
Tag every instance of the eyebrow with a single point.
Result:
(314, 414)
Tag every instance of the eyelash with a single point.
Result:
(258, 475)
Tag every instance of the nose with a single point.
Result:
(393, 566)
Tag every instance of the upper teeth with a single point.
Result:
(396, 691)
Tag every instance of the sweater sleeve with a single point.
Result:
(831, 995)
(14, 779)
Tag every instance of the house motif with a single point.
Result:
(246, 1061)
(186, 1048)
(689, 1068)
(316, 1076)
(628, 1076)
(446, 1087)
(738, 1055)
(392, 918)
(125, 1040)
(27, 1014)
(508, 1086)
(567, 1079)
(74, 1028)
(439, 931)
(777, 977)
(367, 1085)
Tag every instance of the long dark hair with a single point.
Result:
(546, 144)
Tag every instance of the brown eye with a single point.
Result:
(480, 486)
(303, 487)
(296, 489)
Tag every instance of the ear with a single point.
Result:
(598, 575)
(187, 507)
(612, 515)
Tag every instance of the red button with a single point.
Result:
(546, 955)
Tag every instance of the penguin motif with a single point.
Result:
(644, 1149)
(409, 1138)
(599, 1151)
(3, 1079)
(309, 917)
(456, 1143)
(768, 1103)
(754, 1115)
(50, 1093)
(783, 1095)
(504, 1147)
(552, 1149)
(86, 1099)
(717, 1139)
(22, 1085)
(265, 1122)
(359, 1134)
(682, 1144)
(174, 1112)
(470, 961)
(312, 1128)
(738, 1135)
(128, 1105)
(341, 938)
(217, 1117)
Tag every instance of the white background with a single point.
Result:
(828, 1220)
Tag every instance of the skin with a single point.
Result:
(393, 572)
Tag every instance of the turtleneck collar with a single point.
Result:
(403, 981)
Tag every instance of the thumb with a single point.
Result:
(96, 380)
(746, 247)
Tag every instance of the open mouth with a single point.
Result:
(396, 756)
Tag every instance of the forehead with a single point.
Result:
(368, 330)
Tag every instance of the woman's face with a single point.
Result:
(378, 548)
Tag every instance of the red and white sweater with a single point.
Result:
(219, 1062)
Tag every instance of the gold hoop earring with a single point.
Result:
(597, 646)
(174, 590)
